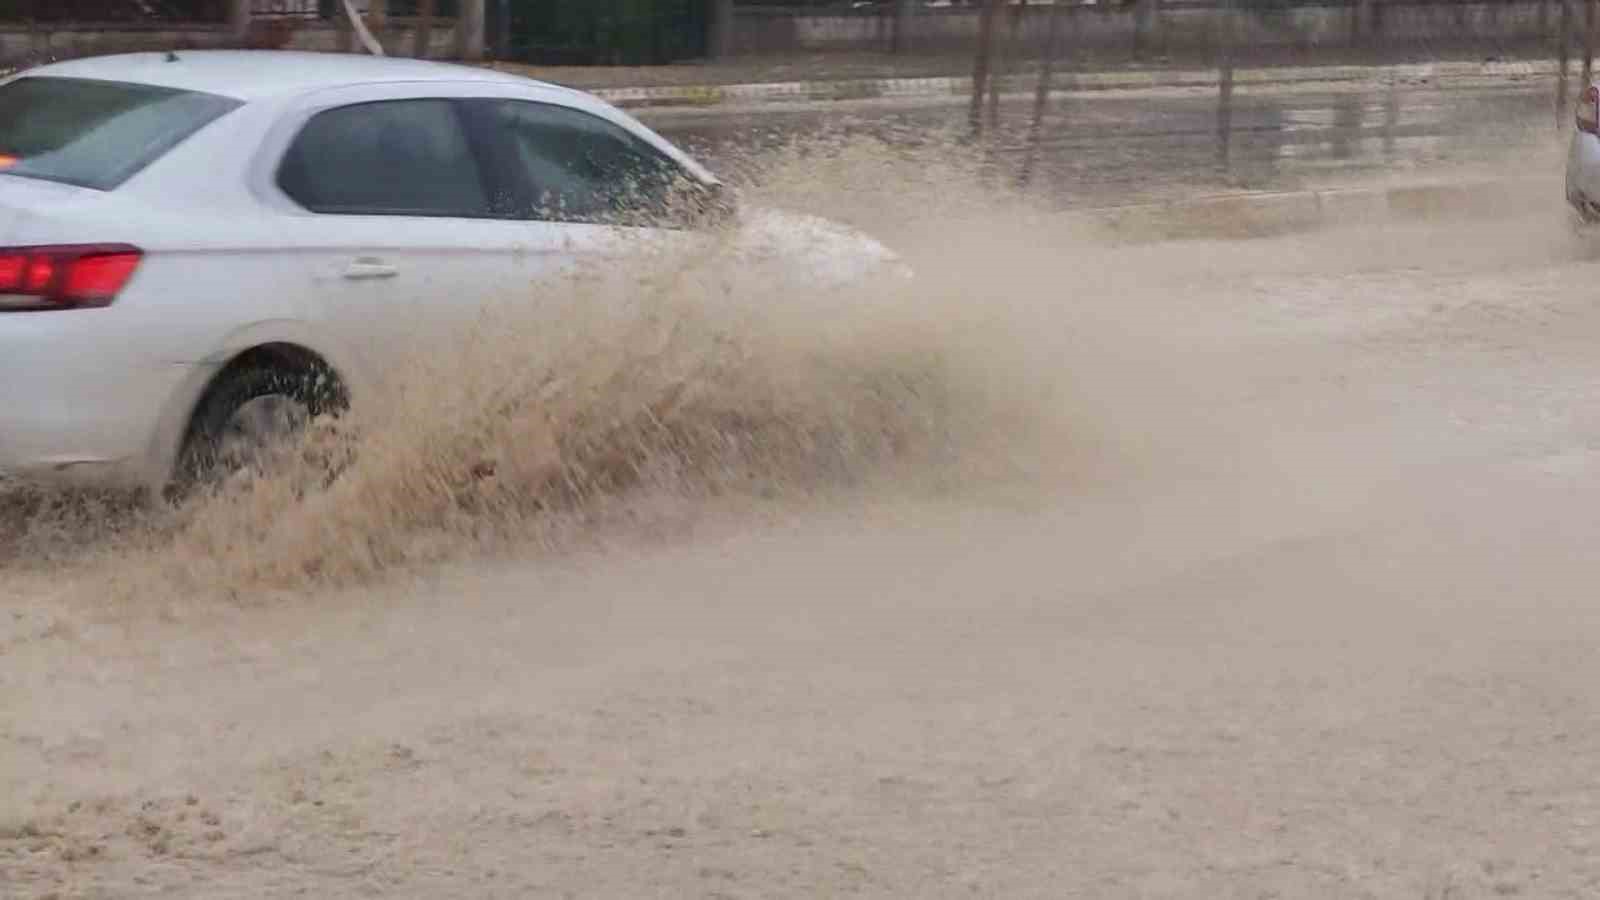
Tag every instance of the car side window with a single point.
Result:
(389, 157)
(578, 167)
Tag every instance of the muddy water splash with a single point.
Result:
(1028, 352)
(694, 372)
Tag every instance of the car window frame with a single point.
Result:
(495, 209)
(503, 156)
(290, 113)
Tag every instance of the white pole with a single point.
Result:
(367, 40)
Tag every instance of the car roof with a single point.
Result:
(259, 74)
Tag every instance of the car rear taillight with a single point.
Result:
(69, 276)
(1589, 111)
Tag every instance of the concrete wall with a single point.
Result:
(21, 46)
(1108, 25)
(398, 39)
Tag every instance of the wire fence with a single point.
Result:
(1263, 89)
(324, 10)
(1154, 29)
(1036, 54)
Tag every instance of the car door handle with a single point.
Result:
(363, 269)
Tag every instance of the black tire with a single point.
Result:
(199, 461)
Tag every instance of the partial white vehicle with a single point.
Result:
(1583, 160)
(196, 247)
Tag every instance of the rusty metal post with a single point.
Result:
(469, 30)
(424, 25)
(901, 37)
(1588, 43)
(1225, 85)
(981, 65)
(377, 19)
(1563, 52)
(721, 29)
(1010, 61)
(239, 13)
(1041, 96)
(1391, 116)
(347, 32)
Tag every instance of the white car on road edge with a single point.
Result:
(196, 244)
(1583, 159)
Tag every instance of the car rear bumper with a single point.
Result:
(78, 405)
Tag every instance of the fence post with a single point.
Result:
(1041, 96)
(502, 29)
(980, 66)
(378, 19)
(469, 30)
(347, 31)
(424, 25)
(1563, 51)
(239, 18)
(1391, 115)
(1588, 43)
(721, 29)
(902, 22)
(1362, 22)
(1005, 62)
(1225, 86)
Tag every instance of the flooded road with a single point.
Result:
(1075, 568)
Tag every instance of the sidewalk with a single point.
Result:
(1260, 213)
(860, 76)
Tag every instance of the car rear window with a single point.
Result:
(95, 134)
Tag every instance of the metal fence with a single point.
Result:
(293, 9)
(1158, 27)
(1271, 95)
(321, 10)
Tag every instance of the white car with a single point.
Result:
(1583, 159)
(194, 245)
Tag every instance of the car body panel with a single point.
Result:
(1583, 171)
(1583, 175)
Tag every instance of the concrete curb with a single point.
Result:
(1232, 215)
(864, 89)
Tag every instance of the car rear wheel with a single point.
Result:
(243, 421)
